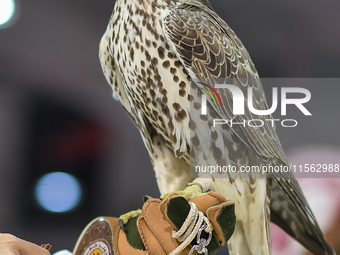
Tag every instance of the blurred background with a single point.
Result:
(63, 136)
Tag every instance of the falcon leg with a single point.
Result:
(197, 188)
(188, 192)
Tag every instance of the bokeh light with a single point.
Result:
(58, 192)
(7, 9)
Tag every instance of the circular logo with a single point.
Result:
(98, 248)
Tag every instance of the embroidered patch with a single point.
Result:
(98, 248)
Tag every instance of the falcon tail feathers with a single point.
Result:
(286, 215)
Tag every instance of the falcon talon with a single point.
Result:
(121, 225)
(146, 198)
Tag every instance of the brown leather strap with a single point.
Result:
(212, 213)
(205, 201)
(115, 228)
(202, 202)
(156, 231)
(125, 248)
(120, 243)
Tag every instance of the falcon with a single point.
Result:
(159, 56)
